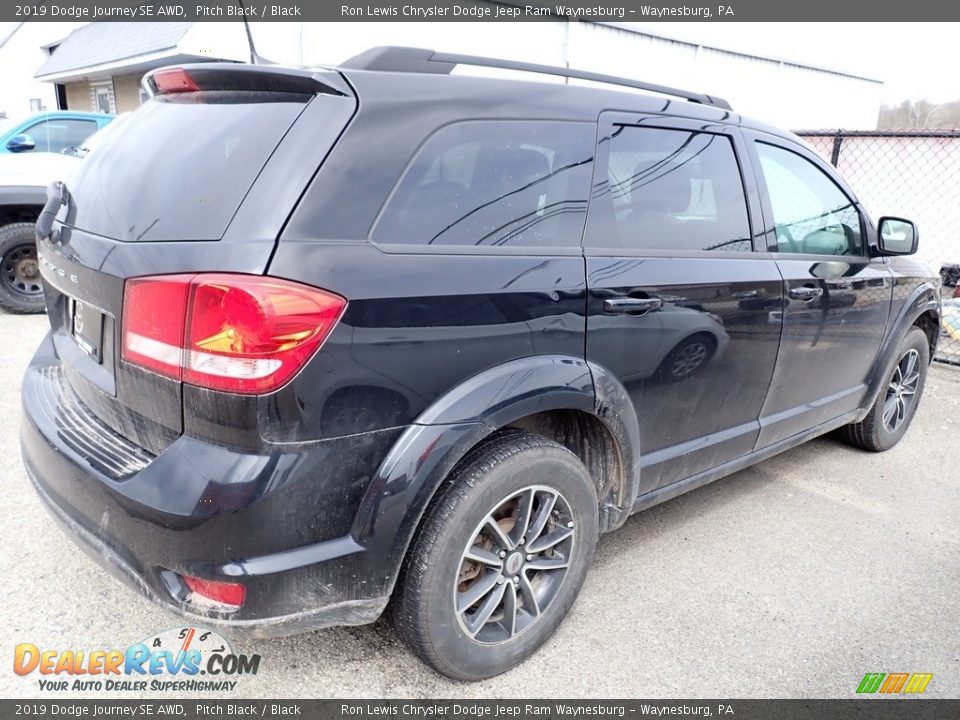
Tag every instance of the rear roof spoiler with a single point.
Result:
(239, 77)
(420, 60)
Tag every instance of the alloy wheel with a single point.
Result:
(514, 564)
(902, 391)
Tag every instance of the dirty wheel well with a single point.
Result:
(589, 439)
(928, 323)
(19, 213)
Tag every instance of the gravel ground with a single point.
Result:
(792, 578)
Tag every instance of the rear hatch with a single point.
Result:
(200, 178)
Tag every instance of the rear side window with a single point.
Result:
(180, 166)
(495, 184)
(670, 190)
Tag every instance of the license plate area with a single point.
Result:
(86, 327)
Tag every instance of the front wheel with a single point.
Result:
(21, 290)
(500, 557)
(897, 402)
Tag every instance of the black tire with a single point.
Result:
(687, 357)
(507, 468)
(21, 290)
(879, 431)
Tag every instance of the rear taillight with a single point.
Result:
(236, 333)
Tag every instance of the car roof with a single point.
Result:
(484, 96)
(532, 98)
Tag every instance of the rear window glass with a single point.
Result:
(501, 184)
(179, 168)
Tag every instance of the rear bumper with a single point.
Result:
(273, 521)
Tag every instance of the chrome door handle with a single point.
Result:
(805, 293)
(632, 306)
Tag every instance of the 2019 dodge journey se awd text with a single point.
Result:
(326, 342)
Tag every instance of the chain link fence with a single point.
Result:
(915, 175)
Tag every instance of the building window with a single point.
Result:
(103, 97)
(36, 105)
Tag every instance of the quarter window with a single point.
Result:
(499, 184)
(811, 214)
(670, 189)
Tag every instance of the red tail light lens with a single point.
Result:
(236, 333)
(175, 80)
(153, 313)
(224, 593)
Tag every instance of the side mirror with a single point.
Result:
(896, 236)
(21, 143)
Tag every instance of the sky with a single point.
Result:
(916, 61)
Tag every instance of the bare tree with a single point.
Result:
(920, 115)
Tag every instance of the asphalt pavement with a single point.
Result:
(790, 579)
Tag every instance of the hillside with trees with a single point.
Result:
(920, 115)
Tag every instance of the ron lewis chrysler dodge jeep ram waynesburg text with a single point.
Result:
(379, 336)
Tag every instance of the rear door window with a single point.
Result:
(494, 184)
(670, 189)
(180, 166)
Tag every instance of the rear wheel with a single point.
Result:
(21, 289)
(500, 558)
(897, 402)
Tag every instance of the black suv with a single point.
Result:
(326, 341)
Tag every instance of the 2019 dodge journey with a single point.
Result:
(326, 342)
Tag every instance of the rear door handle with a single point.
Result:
(631, 305)
(805, 293)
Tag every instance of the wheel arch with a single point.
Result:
(921, 309)
(21, 203)
(576, 403)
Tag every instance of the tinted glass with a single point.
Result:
(670, 190)
(179, 167)
(58, 135)
(511, 183)
(812, 214)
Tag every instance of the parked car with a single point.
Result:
(91, 143)
(53, 131)
(344, 340)
(23, 192)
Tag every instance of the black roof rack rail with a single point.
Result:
(391, 58)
